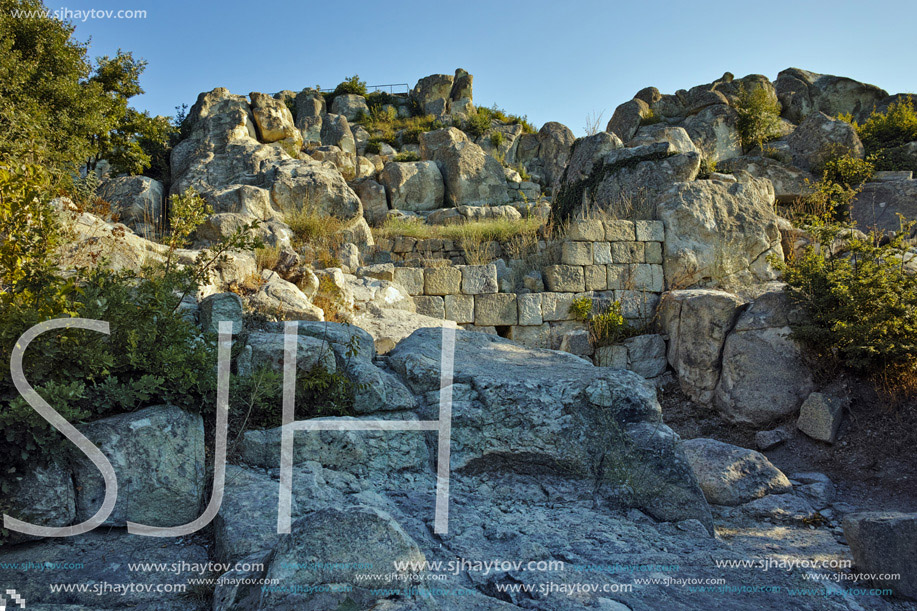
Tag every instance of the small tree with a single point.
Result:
(759, 117)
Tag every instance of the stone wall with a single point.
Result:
(604, 260)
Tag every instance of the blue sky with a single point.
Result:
(553, 61)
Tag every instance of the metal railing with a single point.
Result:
(390, 88)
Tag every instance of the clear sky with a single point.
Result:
(550, 60)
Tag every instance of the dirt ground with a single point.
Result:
(873, 464)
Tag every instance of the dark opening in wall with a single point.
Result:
(503, 330)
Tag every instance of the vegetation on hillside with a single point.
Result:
(885, 134)
(63, 111)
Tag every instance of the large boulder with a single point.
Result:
(433, 94)
(350, 105)
(719, 233)
(554, 143)
(315, 187)
(802, 92)
(470, 176)
(433, 141)
(547, 413)
(275, 122)
(414, 186)
(310, 108)
(589, 152)
(819, 138)
(136, 200)
(280, 299)
(374, 200)
(336, 132)
(697, 322)
(158, 457)
(764, 375)
(627, 118)
(660, 132)
(884, 544)
(730, 475)
(349, 539)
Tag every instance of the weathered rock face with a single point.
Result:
(158, 456)
(137, 200)
(97, 558)
(719, 233)
(310, 108)
(345, 163)
(471, 177)
(629, 179)
(438, 139)
(589, 152)
(416, 185)
(627, 118)
(802, 92)
(730, 475)
(221, 307)
(373, 198)
(878, 205)
(433, 94)
(310, 185)
(45, 497)
(885, 543)
(714, 132)
(789, 182)
(351, 538)
(277, 298)
(764, 375)
(697, 322)
(819, 137)
(554, 143)
(349, 105)
(274, 121)
(336, 132)
(676, 136)
(543, 412)
(223, 147)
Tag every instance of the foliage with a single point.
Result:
(883, 132)
(860, 298)
(491, 230)
(385, 125)
(707, 167)
(407, 156)
(373, 147)
(758, 117)
(351, 85)
(607, 325)
(832, 195)
(60, 110)
(481, 120)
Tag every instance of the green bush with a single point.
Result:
(407, 156)
(373, 147)
(896, 126)
(883, 133)
(758, 117)
(607, 326)
(861, 301)
(848, 170)
(351, 85)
